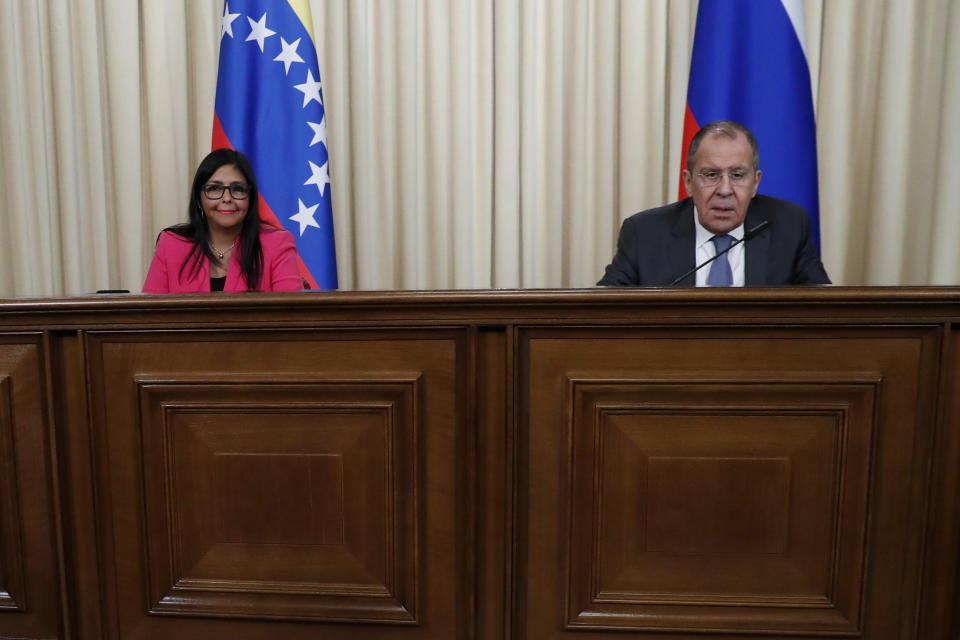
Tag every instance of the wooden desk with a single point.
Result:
(517, 465)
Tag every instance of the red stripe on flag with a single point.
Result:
(220, 141)
(267, 215)
(690, 128)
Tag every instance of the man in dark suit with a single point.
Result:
(659, 245)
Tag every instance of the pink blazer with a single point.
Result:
(280, 266)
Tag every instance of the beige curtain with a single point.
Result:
(474, 143)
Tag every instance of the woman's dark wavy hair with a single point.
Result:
(196, 229)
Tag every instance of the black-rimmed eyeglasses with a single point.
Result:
(214, 191)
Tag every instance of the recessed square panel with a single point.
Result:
(263, 478)
(31, 580)
(725, 500)
(11, 550)
(285, 499)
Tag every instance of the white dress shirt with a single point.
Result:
(705, 249)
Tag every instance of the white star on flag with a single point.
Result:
(305, 216)
(320, 177)
(310, 89)
(319, 131)
(226, 21)
(288, 54)
(259, 31)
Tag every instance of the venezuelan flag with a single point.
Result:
(269, 106)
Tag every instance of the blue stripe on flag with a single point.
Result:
(748, 66)
(264, 116)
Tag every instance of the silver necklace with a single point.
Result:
(220, 253)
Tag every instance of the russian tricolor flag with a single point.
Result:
(270, 107)
(749, 65)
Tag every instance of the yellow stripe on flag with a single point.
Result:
(302, 9)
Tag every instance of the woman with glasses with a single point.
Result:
(223, 246)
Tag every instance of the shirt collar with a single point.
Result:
(704, 235)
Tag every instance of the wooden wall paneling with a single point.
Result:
(467, 507)
(526, 448)
(13, 595)
(492, 465)
(252, 479)
(494, 484)
(30, 604)
(69, 380)
(923, 412)
(940, 616)
(946, 547)
(726, 480)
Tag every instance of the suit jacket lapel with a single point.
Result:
(682, 253)
(234, 280)
(756, 251)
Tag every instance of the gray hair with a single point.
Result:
(727, 129)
